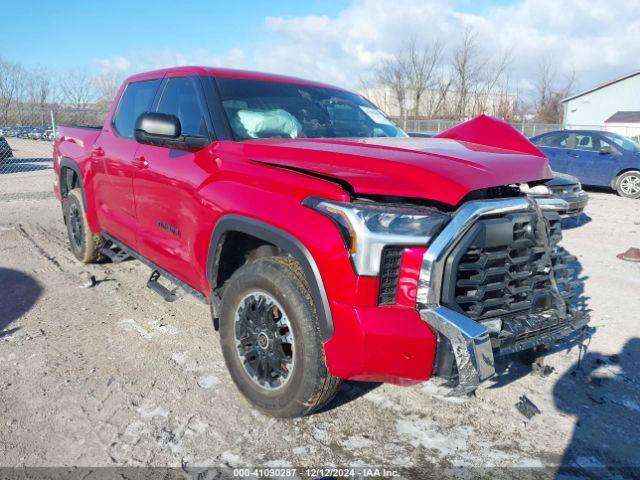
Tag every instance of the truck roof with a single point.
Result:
(226, 73)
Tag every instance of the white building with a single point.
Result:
(624, 123)
(439, 104)
(607, 106)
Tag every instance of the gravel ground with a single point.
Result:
(111, 375)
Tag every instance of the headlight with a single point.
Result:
(536, 190)
(368, 228)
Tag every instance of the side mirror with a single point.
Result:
(607, 150)
(164, 130)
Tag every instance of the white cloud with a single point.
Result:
(138, 61)
(598, 39)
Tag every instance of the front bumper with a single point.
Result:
(469, 349)
(577, 203)
(465, 348)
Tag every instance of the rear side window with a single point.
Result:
(136, 100)
(557, 140)
(180, 98)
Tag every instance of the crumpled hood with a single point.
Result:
(439, 169)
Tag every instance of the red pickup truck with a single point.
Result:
(328, 244)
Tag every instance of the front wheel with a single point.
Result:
(271, 341)
(628, 184)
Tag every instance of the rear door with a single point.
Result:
(588, 163)
(113, 154)
(556, 147)
(170, 214)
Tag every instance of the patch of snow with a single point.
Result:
(422, 432)
(149, 410)
(230, 458)
(355, 442)
(163, 328)
(196, 425)
(208, 381)
(278, 464)
(180, 357)
(133, 326)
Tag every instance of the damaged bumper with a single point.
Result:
(492, 283)
(468, 349)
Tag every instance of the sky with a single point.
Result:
(335, 41)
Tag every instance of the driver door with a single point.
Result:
(166, 186)
(588, 162)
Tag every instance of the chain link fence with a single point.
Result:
(437, 126)
(26, 142)
(527, 129)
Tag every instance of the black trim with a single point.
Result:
(154, 266)
(283, 240)
(202, 100)
(112, 121)
(216, 110)
(72, 165)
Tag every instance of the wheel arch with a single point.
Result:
(69, 182)
(614, 181)
(283, 241)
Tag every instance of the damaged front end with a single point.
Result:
(495, 282)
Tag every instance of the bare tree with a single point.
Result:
(422, 67)
(466, 71)
(550, 89)
(77, 89)
(10, 83)
(38, 87)
(106, 86)
(490, 90)
(392, 73)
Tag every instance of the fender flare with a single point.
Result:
(72, 165)
(283, 240)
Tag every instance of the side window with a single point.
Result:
(588, 142)
(136, 99)
(180, 98)
(557, 140)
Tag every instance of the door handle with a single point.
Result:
(97, 152)
(140, 163)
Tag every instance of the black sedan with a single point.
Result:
(563, 186)
(5, 149)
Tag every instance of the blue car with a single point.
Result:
(596, 158)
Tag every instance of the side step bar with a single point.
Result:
(166, 294)
(121, 252)
(114, 253)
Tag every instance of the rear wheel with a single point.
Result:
(271, 339)
(85, 244)
(628, 184)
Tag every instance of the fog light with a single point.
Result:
(494, 325)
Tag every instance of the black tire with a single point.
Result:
(301, 388)
(625, 184)
(85, 245)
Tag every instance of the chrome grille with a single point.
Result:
(500, 267)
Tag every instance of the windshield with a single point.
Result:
(623, 142)
(258, 109)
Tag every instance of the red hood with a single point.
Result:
(444, 170)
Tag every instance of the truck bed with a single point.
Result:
(76, 142)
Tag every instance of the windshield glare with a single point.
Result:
(258, 109)
(623, 142)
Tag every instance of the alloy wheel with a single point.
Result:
(630, 185)
(75, 223)
(264, 340)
